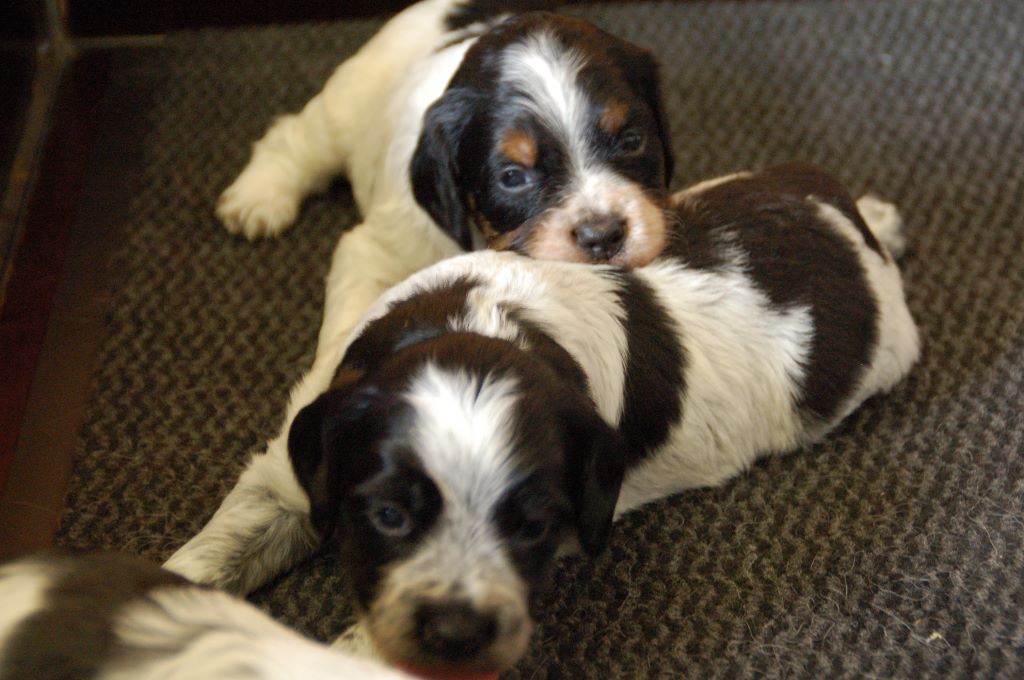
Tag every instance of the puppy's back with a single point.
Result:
(799, 237)
(790, 313)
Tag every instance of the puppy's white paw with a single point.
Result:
(885, 222)
(258, 204)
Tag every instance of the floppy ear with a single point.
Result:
(595, 465)
(643, 75)
(434, 170)
(322, 437)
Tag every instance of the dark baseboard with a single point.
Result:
(125, 17)
(41, 249)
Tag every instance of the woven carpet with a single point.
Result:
(893, 549)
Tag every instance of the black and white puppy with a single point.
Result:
(106, 616)
(493, 410)
(461, 125)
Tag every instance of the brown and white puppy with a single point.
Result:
(494, 410)
(463, 124)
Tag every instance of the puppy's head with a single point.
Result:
(450, 490)
(551, 140)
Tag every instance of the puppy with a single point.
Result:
(114, 617)
(460, 125)
(494, 410)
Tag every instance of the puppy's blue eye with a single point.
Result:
(391, 520)
(533, 531)
(631, 142)
(515, 179)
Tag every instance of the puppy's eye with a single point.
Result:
(390, 519)
(631, 142)
(532, 531)
(515, 179)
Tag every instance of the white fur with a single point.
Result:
(554, 299)
(462, 431)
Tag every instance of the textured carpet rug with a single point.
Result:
(893, 549)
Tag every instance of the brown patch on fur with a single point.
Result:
(613, 117)
(520, 147)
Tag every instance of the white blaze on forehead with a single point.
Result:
(462, 432)
(545, 73)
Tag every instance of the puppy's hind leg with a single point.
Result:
(260, 530)
(342, 130)
(302, 152)
(297, 156)
(393, 242)
(885, 222)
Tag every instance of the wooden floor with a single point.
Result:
(52, 317)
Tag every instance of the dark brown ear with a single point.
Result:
(434, 170)
(595, 465)
(323, 440)
(644, 77)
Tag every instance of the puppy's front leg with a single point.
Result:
(261, 529)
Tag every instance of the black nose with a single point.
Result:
(601, 237)
(454, 631)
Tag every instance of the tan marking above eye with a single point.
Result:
(613, 117)
(520, 147)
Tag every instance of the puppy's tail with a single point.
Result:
(885, 222)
